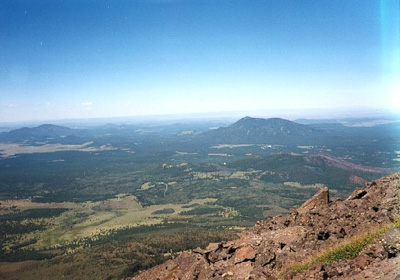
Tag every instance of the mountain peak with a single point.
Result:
(258, 130)
(51, 127)
(36, 133)
(260, 122)
(252, 119)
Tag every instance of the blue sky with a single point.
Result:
(81, 59)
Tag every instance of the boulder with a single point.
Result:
(391, 242)
(244, 253)
(319, 200)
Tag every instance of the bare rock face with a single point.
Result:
(267, 250)
(392, 242)
(244, 254)
(186, 267)
(320, 199)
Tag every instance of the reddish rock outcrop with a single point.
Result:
(319, 200)
(273, 245)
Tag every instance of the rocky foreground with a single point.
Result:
(356, 238)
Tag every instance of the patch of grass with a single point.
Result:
(345, 251)
(202, 211)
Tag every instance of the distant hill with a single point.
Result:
(257, 130)
(39, 133)
(323, 159)
(307, 169)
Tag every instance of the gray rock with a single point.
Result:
(392, 242)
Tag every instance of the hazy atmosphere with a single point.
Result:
(83, 59)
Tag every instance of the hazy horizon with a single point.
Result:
(228, 117)
(155, 58)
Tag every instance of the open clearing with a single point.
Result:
(9, 150)
(91, 219)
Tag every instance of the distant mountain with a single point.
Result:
(272, 131)
(39, 133)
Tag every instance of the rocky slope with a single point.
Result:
(356, 238)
